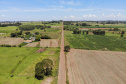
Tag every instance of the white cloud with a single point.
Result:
(89, 16)
(71, 2)
(72, 16)
(3, 15)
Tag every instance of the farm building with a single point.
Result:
(28, 41)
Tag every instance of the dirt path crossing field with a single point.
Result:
(62, 68)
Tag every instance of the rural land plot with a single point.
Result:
(19, 68)
(49, 43)
(11, 41)
(96, 67)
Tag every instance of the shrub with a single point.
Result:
(37, 38)
(37, 33)
(45, 37)
(122, 32)
(13, 35)
(27, 33)
(67, 48)
(121, 35)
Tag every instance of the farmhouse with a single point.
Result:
(28, 41)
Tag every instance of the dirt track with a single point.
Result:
(62, 68)
(96, 67)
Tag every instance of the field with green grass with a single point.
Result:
(8, 30)
(17, 65)
(95, 42)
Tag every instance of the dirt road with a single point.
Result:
(62, 68)
(96, 67)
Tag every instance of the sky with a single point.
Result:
(45, 10)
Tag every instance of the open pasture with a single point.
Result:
(96, 67)
(17, 65)
(11, 41)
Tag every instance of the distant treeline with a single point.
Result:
(10, 24)
(99, 22)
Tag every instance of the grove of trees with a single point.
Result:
(43, 68)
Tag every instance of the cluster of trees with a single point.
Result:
(98, 32)
(43, 68)
(5, 45)
(16, 34)
(42, 27)
(10, 24)
(38, 37)
(82, 24)
(26, 27)
(122, 33)
(115, 29)
(77, 31)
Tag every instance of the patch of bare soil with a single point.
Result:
(47, 81)
(34, 44)
(40, 50)
(49, 43)
(11, 41)
(96, 67)
(2, 33)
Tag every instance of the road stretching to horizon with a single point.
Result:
(62, 68)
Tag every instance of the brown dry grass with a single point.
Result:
(49, 43)
(96, 67)
(11, 41)
(34, 44)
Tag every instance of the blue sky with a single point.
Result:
(37, 10)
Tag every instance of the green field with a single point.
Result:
(54, 33)
(8, 30)
(95, 42)
(17, 65)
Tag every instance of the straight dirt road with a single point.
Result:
(62, 68)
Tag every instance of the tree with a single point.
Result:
(67, 48)
(13, 35)
(39, 71)
(27, 33)
(37, 33)
(43, 68)
(86, 32)
(122, 32)
(83, 31)
(121, 35)
(37, 38)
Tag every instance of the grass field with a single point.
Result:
(21, 66)
(8, 30)
(54, 33)
(95, 42)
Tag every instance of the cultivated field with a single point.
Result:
(95, 42)
(49, 43)
(11, 41)
(17, 65)
(96, 67)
